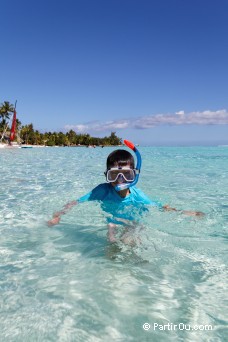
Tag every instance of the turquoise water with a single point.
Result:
(67, 283)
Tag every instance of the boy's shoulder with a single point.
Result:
(100, 191)
(97, 193)
(102, 186)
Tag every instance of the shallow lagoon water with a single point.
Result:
(68, 283)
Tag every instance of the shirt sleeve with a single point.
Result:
(156, 204)
(147, 200)
(84, 198)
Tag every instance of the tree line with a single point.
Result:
(26, 134)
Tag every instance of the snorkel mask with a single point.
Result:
(136, 171)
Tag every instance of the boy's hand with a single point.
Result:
(54, 221)
(193, 213)
(56, 218)
(58, 214)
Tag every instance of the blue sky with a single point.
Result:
(153, 71)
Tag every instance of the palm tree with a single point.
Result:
(5, 109)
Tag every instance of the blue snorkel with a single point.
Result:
(123, 186)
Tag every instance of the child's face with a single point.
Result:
(120, 179)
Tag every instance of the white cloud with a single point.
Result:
(219, 117)
(78, 128)
(181, 112)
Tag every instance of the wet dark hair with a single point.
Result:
(119, 158)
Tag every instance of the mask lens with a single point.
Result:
(129, 175)
(113, 174)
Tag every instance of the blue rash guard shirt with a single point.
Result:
(106, 193)
(130, 207)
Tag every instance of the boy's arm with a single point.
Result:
(57, 215)
(68, 206)
(186, 212)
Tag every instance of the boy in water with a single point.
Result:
(119, 191)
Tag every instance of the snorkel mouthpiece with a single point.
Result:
(123, 186)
